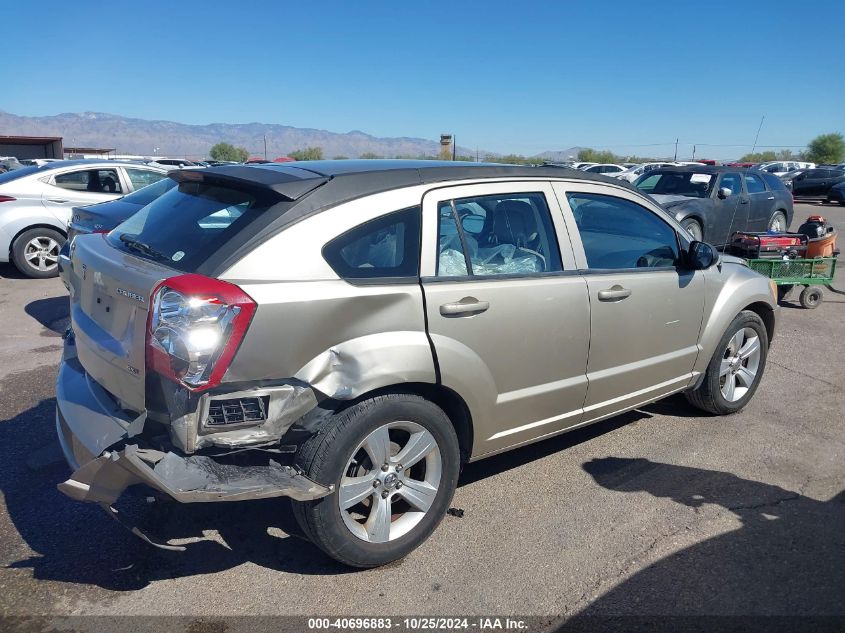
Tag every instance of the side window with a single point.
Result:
(140, 178)
(732, 182)
(502, 234)
(754, 183)
(619, 234)
(90, 180)
(387, 247)
(649, 183)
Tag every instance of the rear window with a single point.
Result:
(187, 225)
(14, 174)
(143, 197)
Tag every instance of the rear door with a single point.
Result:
(507, 312)
(762, 202)
(79, 187)
(810, 183)
(732, 212)
(645, 309)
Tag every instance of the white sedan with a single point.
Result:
(36, 203)
(608, 169)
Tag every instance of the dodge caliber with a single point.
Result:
(348, 334)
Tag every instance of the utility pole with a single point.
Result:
(676, 150)
(265, 147)
(693, 152)
(454, 147)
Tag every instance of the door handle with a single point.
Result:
(465, 307)
(743, 200)
(770, 198)
(614, 293)
(58, 200)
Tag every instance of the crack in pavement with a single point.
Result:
(806, 375)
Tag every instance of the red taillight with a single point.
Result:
(196, 325)
(7, 199)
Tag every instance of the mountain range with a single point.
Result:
(166, 138)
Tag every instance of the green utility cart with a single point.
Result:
(810, 273)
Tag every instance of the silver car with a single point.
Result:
(36, 203)
(349, 333)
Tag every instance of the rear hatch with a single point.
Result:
(109, 305)
(187, 230)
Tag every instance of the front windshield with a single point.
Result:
(676, 183)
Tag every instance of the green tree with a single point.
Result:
(341, 157)
(369, 156)
(827, 148)
(759, 157)
(227, 151)
(589, 155)
(308, 153)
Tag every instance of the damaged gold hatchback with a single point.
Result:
(348, 334)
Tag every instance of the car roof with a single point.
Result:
(89, 162)
(310, 187)
(353, 178)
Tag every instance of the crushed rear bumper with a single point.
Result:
(107, 457)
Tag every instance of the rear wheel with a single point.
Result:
(394, 462)
(778, 222)
(36, 252)
(736, 368)
(694, 229)
(811, 297)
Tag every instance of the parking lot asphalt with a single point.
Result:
(660, 511)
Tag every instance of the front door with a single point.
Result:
(646, 310)
(507, 312)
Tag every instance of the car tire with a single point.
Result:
(35, 252)
(811, 297)
(345, 524)
(730, 380)
(778, 220)
(694, 229)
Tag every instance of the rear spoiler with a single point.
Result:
(291, 183)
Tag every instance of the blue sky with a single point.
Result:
(504, 76)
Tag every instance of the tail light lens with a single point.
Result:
(7, 199)
(195, 327)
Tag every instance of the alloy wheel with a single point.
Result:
(740, 362)
(42, 253)
(390, 482)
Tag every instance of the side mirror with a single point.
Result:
(701, 255)
(473, 223)
(724, 192)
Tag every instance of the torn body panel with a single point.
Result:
(109, 449)
(189, 479)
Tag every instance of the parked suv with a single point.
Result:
(349, 333)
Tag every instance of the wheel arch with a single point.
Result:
(37, 225)
(766, 314)
(453, 405)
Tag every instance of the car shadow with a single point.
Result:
(9, 271)
(787, 557)
(53, 313)
(78, 543)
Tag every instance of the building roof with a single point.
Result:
(29, 140)
(88, 150)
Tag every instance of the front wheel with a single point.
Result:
(394, 462)
(736, 368)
